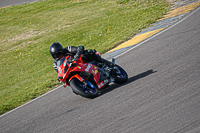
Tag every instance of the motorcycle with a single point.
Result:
(87, 78)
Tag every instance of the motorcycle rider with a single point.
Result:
(57, 51)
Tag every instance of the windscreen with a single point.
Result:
(60, 62)
(65, 66)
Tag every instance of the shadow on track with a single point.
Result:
(131, 79)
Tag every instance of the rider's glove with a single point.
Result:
(75, 58)
(71, 62)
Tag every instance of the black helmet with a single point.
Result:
(56, 50)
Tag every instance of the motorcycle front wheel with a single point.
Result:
(84, 89)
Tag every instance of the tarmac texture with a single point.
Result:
(162, 94)
(178, 10)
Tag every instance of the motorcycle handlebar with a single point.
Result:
(72, 64)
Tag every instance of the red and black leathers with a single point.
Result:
(73, 51)
(76, 52)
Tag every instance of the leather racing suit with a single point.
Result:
(88, 55)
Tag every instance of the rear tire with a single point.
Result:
(86, 89)
(122, 77)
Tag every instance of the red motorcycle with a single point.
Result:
(87, 78)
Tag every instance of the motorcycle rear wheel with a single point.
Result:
(86, 89)
(121, 77)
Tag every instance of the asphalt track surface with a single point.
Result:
(162, 94)
(4, 3)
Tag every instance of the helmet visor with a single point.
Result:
(57, 54)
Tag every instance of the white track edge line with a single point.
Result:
(30, 101)
(162, 31)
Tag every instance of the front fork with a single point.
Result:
(79, 78)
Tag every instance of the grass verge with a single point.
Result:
(28, 30)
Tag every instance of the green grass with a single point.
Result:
(28, 30)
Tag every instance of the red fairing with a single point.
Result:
(89, 68)
(100, 85)
(65, 69)
(84, 78)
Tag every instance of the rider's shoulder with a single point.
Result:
(66, 49)
(55, 62)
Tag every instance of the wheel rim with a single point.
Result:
(122, 73)
(86, 87)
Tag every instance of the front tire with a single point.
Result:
(85, 89)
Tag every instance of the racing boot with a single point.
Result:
(107, 63)
(92, 54)
(104, 61)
